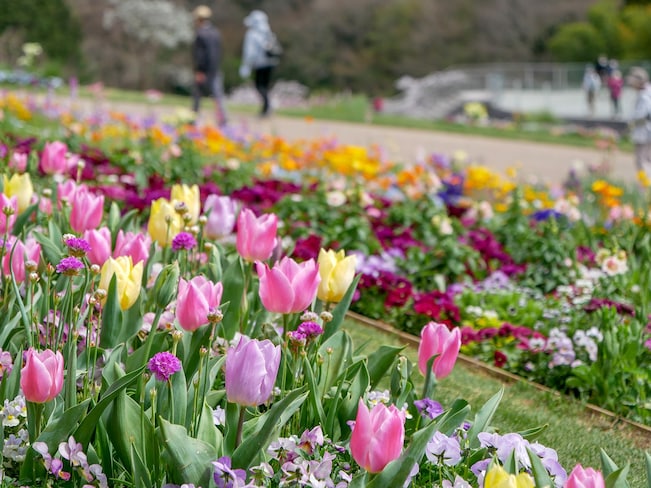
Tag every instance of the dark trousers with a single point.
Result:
(262, 78)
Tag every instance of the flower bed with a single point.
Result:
(205, 350)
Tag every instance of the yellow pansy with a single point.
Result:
(128, 279)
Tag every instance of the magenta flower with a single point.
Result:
(54, 159)
(221, 212)
(69, 266)
(581, 477)
(77, 247)
(378, 436)
(7, 206)
(87, 211)
(251, 370)
(164, 365)
(99, 241)
(437, 339)
(132, 244)
(256, 236)
(288, 287)
(41, 379)
(184, 240)
(194, 301)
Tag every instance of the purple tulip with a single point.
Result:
(251, 370)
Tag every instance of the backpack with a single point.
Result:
(272, 47)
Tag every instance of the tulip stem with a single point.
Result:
(34, 414)
(240, 425)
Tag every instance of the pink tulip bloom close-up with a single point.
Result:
(256, 236)
(251, 370)
(100, 245)
(378, 436)
(87, 211)
(581, 477)
(195, 299)
(288, 287)
(436, 339)
(17, 253)
(54, 159)
(132, 244)
(41, 379)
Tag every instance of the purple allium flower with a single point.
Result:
(184, 240)
(76, 246)
(164, 365)
(69, 266)
(309, 329)
(428, 407)
(225, 477)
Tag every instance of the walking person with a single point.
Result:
(615, 83)
(206, 57)
(640, 124)
(260, 55)
(591, 84)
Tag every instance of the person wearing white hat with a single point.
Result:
(206, 57)
(640, 124)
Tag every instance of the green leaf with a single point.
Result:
(617, 479)
(453, 417)
(533, 433)
(540, 474)
(111, 317)
(511, 465)
(340, 310)
(141, 474)
(608, 466)
(483, 418)
(22, 219)
(59, 429)
(315, 393)
(207, 431)
(380, 361)
(270, 421)
(337, 355)
(189, 459)
(647, 461)
(233, 280)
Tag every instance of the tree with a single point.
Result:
(578, 41)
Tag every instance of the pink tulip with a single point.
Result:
(100, 245)
(30, 250)
(438, 339)
(378, 436)
(18, 162)
(585, 478)
(221, 213)
(288, 287)
(7, 204)
(67, 189)
(132, 244)
(251, 370)
(54, 160)
(194, 301)
(41, 379)
(87, 211)
(256, 236)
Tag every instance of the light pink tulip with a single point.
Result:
(438, 339)
(7, 222)
(30, 250)
(194, 301)
(41, 379)
(67, 190)
(100, 245)
(256, 236)
(54, 160)
(87, 211)
(18, 162)
(581, 477)
(378, 436)
(132, 244)
(288, 287)
(221, 212)
(251, 370)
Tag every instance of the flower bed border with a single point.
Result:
(498, 373)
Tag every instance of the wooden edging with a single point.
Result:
(498, 373)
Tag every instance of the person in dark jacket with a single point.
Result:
(206, 57)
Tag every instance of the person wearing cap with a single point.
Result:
(255, 56)
(640, 124)
(206, 58)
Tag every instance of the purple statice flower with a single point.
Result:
(69, 266)
(164, 365)
(6, 364)
(76, 246)
(443, 449)
(184, 240)
(310, 330)
(428, 408)
(225, 477)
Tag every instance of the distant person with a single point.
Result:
(591, 84)
(260, 55)
(615, 83)
(206, 57)
(640, 123)
(602, 67)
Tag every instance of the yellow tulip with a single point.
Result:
(128, 279)
(21, 187)
(164, 222)
(337, 272)
(497, 477)
(190, 196)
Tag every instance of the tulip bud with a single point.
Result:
(166, 285)
(581, 477)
